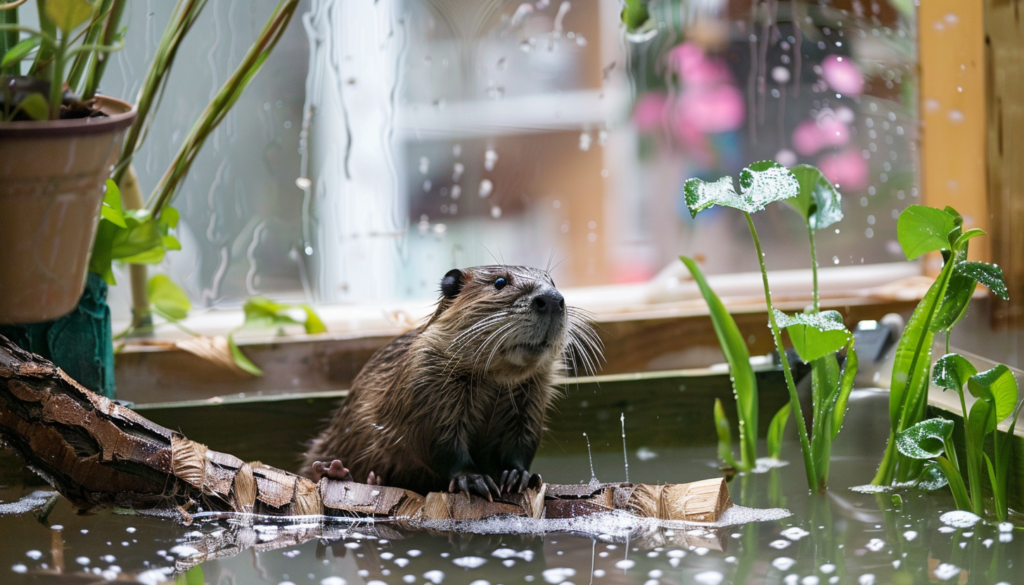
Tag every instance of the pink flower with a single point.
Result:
(649, 111)
(848, 169)
(842, 75)
(810, 136)
(696, 68)
(711, 110)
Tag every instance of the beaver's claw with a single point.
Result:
(514, 481)
(469, 482)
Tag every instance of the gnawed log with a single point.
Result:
(96, 452)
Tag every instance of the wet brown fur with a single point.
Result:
(479, 373)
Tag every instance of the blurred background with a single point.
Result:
(384, 143)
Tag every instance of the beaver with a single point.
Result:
(458, 403)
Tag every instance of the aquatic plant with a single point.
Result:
(921, 230)
(996, 393)
(816, 336)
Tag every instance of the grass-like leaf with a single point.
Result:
(776, 430)
(744, 383)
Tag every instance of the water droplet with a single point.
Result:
(495, 212)
(835, 259)
(303, 183)
(457, 171)
(424, 165)
(585, 140)
(456, 191)
(486, 187)
(490, 157)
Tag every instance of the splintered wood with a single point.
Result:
(96, 452)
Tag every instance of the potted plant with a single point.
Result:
(68, 55)
(58, 140)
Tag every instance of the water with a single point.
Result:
(843, 537)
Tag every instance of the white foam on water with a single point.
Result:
(332, 581)
(434, 576)
(469, 562)
(783, 563)
(19, 568)
(26, 504)
(875, 544)
(34, 555)
(557, 575)
(946, 571)
(959, 519)
(1005, 527)
(766, 464)
(866, 579)
(910, 535)
(794, 533)
(871, 489)
(709, 578)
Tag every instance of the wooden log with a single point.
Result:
(96, 452)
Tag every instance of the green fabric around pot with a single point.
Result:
(80, 343)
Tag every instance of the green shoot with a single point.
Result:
(921, 230)
(741, 375)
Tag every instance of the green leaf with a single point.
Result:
(634, 14)
(170, 216)
(998, 386)
(68, 14)
(931, 477)
(19, 51)
(724, 435)
(100, 260)
(170, 243)
(240, 359)
(980, 422)
(167, 297)
(112, 209)
(775, 431)
(35, 106)
(814, 335)
(922, 229)
(761, 183)
(987, 274)
(956, 483)
(957, 297)
(845, 387)
(313, 322)
(744, 383)
(967, 236)
(952, 371)
(925, 440)
(818, 201)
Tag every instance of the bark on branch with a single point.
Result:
(96, 452)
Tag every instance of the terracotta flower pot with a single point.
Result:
(51, 189)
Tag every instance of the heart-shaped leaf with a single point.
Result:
(167, 297)
(922, 229)
(931, 478)
(68, 14)
(814, 335)
(818, 201)
(112, 209)
(925, 439)
(998, 386)
(760, 184)
(951, 372)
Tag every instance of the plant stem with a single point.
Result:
(131, 197)
(814, 268)
(8, 39)
(794, 399)
(57, 78)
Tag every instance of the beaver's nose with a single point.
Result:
(548, 302)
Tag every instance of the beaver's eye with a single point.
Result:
(500, 283)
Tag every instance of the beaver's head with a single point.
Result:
(509, 322)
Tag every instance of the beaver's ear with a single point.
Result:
(452, 283)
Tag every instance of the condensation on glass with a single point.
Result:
(386, 142)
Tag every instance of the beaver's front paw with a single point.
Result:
(333, 469)
(471, 482)
(514, 481)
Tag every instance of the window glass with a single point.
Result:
(386, 142)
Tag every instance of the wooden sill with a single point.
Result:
(656, 326)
